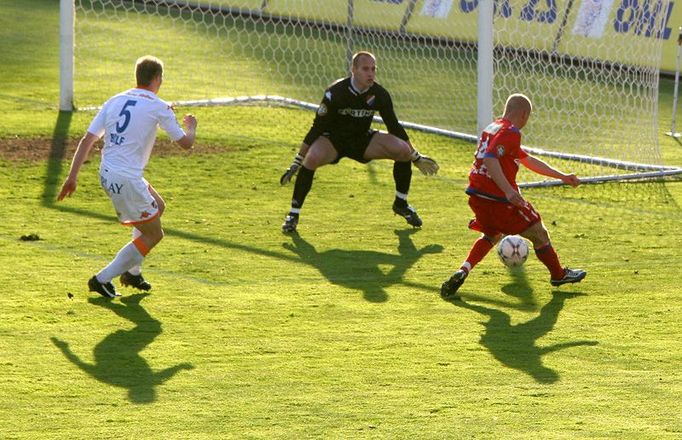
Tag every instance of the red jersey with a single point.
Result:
(502, 141)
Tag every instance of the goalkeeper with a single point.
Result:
(342, 129)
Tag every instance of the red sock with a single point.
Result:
(549, 258)
(478, 251)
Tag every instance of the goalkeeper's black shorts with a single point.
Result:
(351, 147)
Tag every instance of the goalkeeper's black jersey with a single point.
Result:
(345, 113)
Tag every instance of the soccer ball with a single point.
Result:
(512, 250)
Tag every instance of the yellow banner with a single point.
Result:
(376, 14)
(606, 30)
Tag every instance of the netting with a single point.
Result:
(594, 83)
(593, 79)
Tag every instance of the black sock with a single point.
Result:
(402, 174)
(304, 181)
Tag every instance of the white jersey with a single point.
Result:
(128, 122)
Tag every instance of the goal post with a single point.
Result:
(485, 68)
(589, 66)
(66, 54)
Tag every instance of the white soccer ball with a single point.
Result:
(512, 250)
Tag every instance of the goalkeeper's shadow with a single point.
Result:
(369, 272)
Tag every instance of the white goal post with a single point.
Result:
(66, 54)
(589, 66)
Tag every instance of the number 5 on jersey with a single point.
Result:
(126, 116)
(117, 139)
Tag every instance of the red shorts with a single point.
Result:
(494, 217)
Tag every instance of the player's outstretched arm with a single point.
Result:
(295, 165)
(82, 152)
(190, 124)
(539, 166)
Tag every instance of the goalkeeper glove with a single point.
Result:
(426, 165)
(291, 171)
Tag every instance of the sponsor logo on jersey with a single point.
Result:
(114, 188)
(370, 100)
(322, 110)
(500, 151)
(356, 112)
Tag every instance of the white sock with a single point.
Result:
(126, 258)
(401, 196)
(137, 269)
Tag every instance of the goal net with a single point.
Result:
(590, 67)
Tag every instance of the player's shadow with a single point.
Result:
(367, 271)
(117, 359)
(519, 288)
(515, 345)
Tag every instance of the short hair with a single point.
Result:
(146, 69)
(362, 53)
(518, 102)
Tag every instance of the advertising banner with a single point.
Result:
(606, 30)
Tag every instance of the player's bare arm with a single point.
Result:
(495, 170)
(190, 124)
(539, 166)
(82, 152)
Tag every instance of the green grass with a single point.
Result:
(336, 333)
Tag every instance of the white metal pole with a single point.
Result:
(66, 44)
(672, 131)
(485, 64)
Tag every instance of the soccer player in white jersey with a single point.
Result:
(128, 122)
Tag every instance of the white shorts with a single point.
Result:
(131, 197)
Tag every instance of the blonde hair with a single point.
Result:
(146, 69)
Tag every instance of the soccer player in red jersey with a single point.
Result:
(495, 199)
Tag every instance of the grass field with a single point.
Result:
(338, 332)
